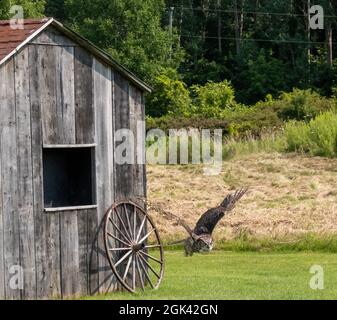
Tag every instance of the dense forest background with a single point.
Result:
(206, 57)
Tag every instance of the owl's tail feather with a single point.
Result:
(229, 202)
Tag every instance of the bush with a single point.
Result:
(302, 105)
(169, 122)
(317, 138)
(170, 96)
(252, 120)
(210, 100)
(238, 121)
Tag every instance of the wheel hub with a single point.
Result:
(138, 246)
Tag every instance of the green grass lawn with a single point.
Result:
(243, 275)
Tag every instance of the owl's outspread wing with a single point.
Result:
(230, 201)
(211, 218)
(208, 221)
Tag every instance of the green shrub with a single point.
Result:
(166, 123)
(211, 99)
(302, 105)
(252, 120)
(238, 121)
(317, 138)
(170, 96)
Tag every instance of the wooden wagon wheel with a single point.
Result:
(133, 247)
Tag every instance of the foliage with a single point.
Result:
(260, 75)
(32, 8)
(203, 72)
(170, 96)
(303, 105)
(56, 9)
(130, 30)
(261, 53)
(211, 99)
(252, 120)
(272, 113)
(317, 138)
(166, 123)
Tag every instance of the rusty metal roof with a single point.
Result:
(12, 40)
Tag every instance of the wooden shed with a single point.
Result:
(61, 101)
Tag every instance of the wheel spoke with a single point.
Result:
(127, 268)
(123, 225)
(145, 272)
(133, 272)
(151, 257)
(122, 259)
(155, 273)
(145, 237)
(139, 274)
(128, 221)
(134, 222)
(114, 237)
(140, 229)
(153, 246)
(125, 237)
(119, 249)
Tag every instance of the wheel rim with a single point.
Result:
(133, 247)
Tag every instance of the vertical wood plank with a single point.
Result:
(70, 264)
(47, 233)
(142, 161)
(9, 178)
(58, 101)
(84, 108)
(102, 81)
(124, 173)
(65, 95)
(137, 117)
(46, 79)
(87, 229)
(93, 266)
(83, 252)
(25, 177)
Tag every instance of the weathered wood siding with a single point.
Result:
(54, 92)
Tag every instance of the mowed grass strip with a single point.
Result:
(241, 275)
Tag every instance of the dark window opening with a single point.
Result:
(68, 177)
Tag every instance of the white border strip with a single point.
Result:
(69, 146)
(63, 209)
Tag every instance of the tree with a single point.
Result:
(31, 8)
(130, 30)
(56, 9)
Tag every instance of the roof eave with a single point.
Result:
(96, 51)
(30, 38)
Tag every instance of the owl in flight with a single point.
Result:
(200, 238)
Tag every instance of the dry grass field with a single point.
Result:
(290, 195)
